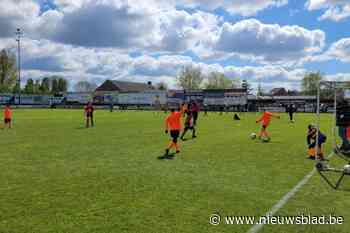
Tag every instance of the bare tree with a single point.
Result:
(85, 86)
(218, 80)
(8, 75)
(190, 78)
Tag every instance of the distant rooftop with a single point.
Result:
(123, 86)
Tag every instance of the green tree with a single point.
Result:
(45, 86)
(29, 87)
(85, 86)
(62, 85)
(260, 90)
(36, 87)
(347, 84)
(54, 86)
(218, 80)
(16, 88)
(162, 86)
(309, 84)
(190, 78)
(8, 71)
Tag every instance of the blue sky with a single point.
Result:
(272, 42)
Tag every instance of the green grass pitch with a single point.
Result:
(57, 176)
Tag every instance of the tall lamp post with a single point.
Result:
(18, 39)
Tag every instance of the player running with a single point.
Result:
(265, 120)
(7, 116)
(173, 124)
(89, 114)
(195, 110)
(189, 124)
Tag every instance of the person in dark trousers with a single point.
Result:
(195, 110)
(89, 114)
(343, 122)
(189, 125)
(291, 109)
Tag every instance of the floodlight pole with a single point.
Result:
(318, 119)
(18, 39)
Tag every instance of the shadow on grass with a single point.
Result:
(81, 127)
(187, 139)
(84, 127)
(167, 157)
(267, 143)
(343, 189)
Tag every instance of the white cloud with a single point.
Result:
(145, 27)
(335, 10)
(180, 31)
(269, 42)
(168, 66)
(339, 50)
(76, 63)
(103, 23)
(338, 77)
(17, 13)
(237, 7)
(158, 27)
(44, 57)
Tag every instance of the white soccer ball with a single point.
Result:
(253, 136)
(347, 169)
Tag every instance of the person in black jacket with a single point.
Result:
(291, 110)
(343, 123)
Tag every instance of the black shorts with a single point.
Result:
(174, 133)
(7, 120)
(89, 114)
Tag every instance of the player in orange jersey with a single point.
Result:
(265, 120)
(7, 116)
(173, 125)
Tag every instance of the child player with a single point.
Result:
(89, 114)
(265, 120)
(189, 124)
(7, 116)
(195, 110)
(311, 142)
(173, 124)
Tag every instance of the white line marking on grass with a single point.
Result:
(257, 227)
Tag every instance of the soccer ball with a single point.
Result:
(253, 136)
(347, 169)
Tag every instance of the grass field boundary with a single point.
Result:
(284, 200)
